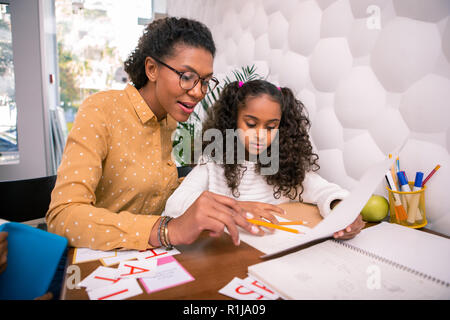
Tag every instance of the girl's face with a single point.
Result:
(258, 121)
(169, 97)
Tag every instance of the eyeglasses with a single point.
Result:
(189, 79)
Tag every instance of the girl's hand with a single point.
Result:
(261, 211)
(352, 230)
(210, 212)
(3, 250)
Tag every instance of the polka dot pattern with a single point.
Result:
(116, 173)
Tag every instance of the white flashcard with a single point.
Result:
(102, 276)
(260, 288)
(85, 254)
(169, 273)
(156, 253)
(121, 256)
(125, 288)
(237, 289)
(136, 269)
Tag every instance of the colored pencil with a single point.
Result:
(271, 225)
(431, 174)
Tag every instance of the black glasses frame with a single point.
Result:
(203, 80)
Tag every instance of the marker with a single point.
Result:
(404, 187)
(400, 210)
(431, 174)
(414, 203)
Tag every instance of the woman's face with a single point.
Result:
(258, 121)
(174, 100)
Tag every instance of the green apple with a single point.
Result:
(376, 209)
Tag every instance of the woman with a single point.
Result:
(116, 173)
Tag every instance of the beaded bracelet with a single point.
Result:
(159, 231)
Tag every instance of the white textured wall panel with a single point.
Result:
(371, 74)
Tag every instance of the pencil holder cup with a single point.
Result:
(408, 208)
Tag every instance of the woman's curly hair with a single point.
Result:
(158, 40)
(296, 155)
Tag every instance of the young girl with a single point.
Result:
(262, 112)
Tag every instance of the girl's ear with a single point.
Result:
(151, 69)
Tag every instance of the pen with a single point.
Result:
(271, 225)
(431, 174)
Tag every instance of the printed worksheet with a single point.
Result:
(169, 273)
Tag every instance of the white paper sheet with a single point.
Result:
(340, 217)
(120, 256)
(239, 290)
(85, 254)
(156, 253)
(101, 277)
(125, 288)
(169, 273)
(136, 269)
(261, 288)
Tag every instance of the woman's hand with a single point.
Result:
(352, 230)
(210, 212)
(3, 250)
(261, 211)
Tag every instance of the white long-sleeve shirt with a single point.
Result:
(253, 187)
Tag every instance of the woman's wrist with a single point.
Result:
(153, 240)
(172, 232)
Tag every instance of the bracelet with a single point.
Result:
(159, 231)
(168, 245)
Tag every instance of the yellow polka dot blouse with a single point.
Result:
(116, 173)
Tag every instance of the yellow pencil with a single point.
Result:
(271, 225)
(293, 223)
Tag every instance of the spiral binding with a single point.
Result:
(393, 263)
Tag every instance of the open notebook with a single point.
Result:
(386, 261)
(338, 219)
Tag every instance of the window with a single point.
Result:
(94, 38)
(9, 150)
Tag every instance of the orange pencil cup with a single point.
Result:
(407, 208)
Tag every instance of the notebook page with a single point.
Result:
(415, 249)
(331, 271)
(340, 217)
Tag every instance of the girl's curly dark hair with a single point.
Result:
(159, 39)
(296, 156)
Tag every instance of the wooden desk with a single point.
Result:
(213, 262)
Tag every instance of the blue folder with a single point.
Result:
(33, 256)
